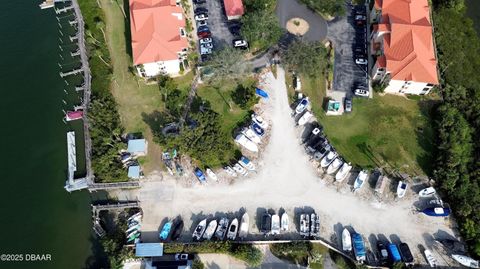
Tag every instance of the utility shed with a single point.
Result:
(134, 171)
(149, 249)
(233, 9)
(137, 147)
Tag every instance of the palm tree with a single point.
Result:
(100, 25)
(99, 54)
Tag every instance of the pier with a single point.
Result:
(114, 185)
(73, 72)
(117, 206)
(65, 9)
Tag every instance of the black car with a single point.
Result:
(203, 29)
(382, 252)
(200, 10)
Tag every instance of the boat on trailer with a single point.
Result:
(199, 230)
(165, 231)
(244, 224)
(260, 121)
(222, 228)
(432, 261)
(360, 180)
(334, 166)
(437, 211)
(346, 240)
(305, 118)
(466, 261)
(302, 105)
(245, 162)
(343, 172)
(328, 159)
(284, 222)
(232, 230)
(275, 224)
(314, 225)
(212, 226)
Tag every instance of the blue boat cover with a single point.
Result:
(165, 230)
(394, 253)
(261, 92)
(358, 245)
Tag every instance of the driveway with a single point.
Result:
(341, 32)
(288, 9)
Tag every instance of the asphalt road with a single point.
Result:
(288, 9)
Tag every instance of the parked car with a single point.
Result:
(202, 23)
(201, 17)
(200, 10)
(207, 45)
(360, 19)
(234, 28)
(181, 256)
(240, 43)
(205, 50)
(348, 105)
(206, 40)
(205, 34)
(361, 60)
(203, 29)
(361, 92)
(200, 175)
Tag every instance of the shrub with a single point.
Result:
(248, 253)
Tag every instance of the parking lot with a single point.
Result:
(217, 23)
(346, 37)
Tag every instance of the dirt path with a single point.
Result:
(285, 179)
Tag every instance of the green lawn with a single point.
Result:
(387, 131)
(133, 95)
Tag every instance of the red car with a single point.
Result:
(204, 34)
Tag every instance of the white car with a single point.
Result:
(206, 40)
(207, 45)
(204, 50)
(361, 61)
(240, 43)
(362, 92)
(201, 17)
(202, 23)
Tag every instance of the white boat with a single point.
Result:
(246, 143)
(222, 228)
(343, 172)
(250, 134)
(333, 167)
(466, 261)
(244, 224)
(284, 222)
(304, 225)
(328, 159)
(230, 171)
(260, 121)
(401, 189)
(360, 180)
(239, 169)
(346, 240)
(302, 105)
(199, 230)
(245, 162)
(314, 224)
(275, 224)
(133, 228)
(136, 216)
(305, 118)
(427, 192)
(430, 258)
(211, 174)
(212, 226)
(232, 230)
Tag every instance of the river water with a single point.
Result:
(37, 215)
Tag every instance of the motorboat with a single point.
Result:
(302, 105)
(432, 261)
(242, 140)
(394, 253)
(284, 222)
(239, 169)
(406, 254)
(305, 118)
(333, 167)
(314, 224)
(165, 231)
(232, 230)
(315, 132)
(136, 216)
(382, 252)
(74, 115)
(427, 192)
(210, 230)
(257, 129)
(328, 159)
(359, 248)
(346, 240)
(230, 171)
(437, 211)
(305, 225)
(222, 228)
(266, 224)
(401, 188)
(260, 121)
(466, 261)
(360, 180)
(200, 175)
(199, 230)
(250, 134)
(211, 174)
(245, 162)
(131, 237)
(275, 224)
(133, 228)
(177, 229)
(343, 172)
(244, 224)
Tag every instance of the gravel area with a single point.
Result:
(286, 179)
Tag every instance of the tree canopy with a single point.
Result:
(227, 64)
(261, 29)
(308, 58)
(332, 8)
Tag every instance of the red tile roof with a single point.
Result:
(155, 29)
(408, 43)
(233, 7)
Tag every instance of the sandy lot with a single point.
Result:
(287, 180)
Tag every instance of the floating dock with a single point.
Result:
(73, 184)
